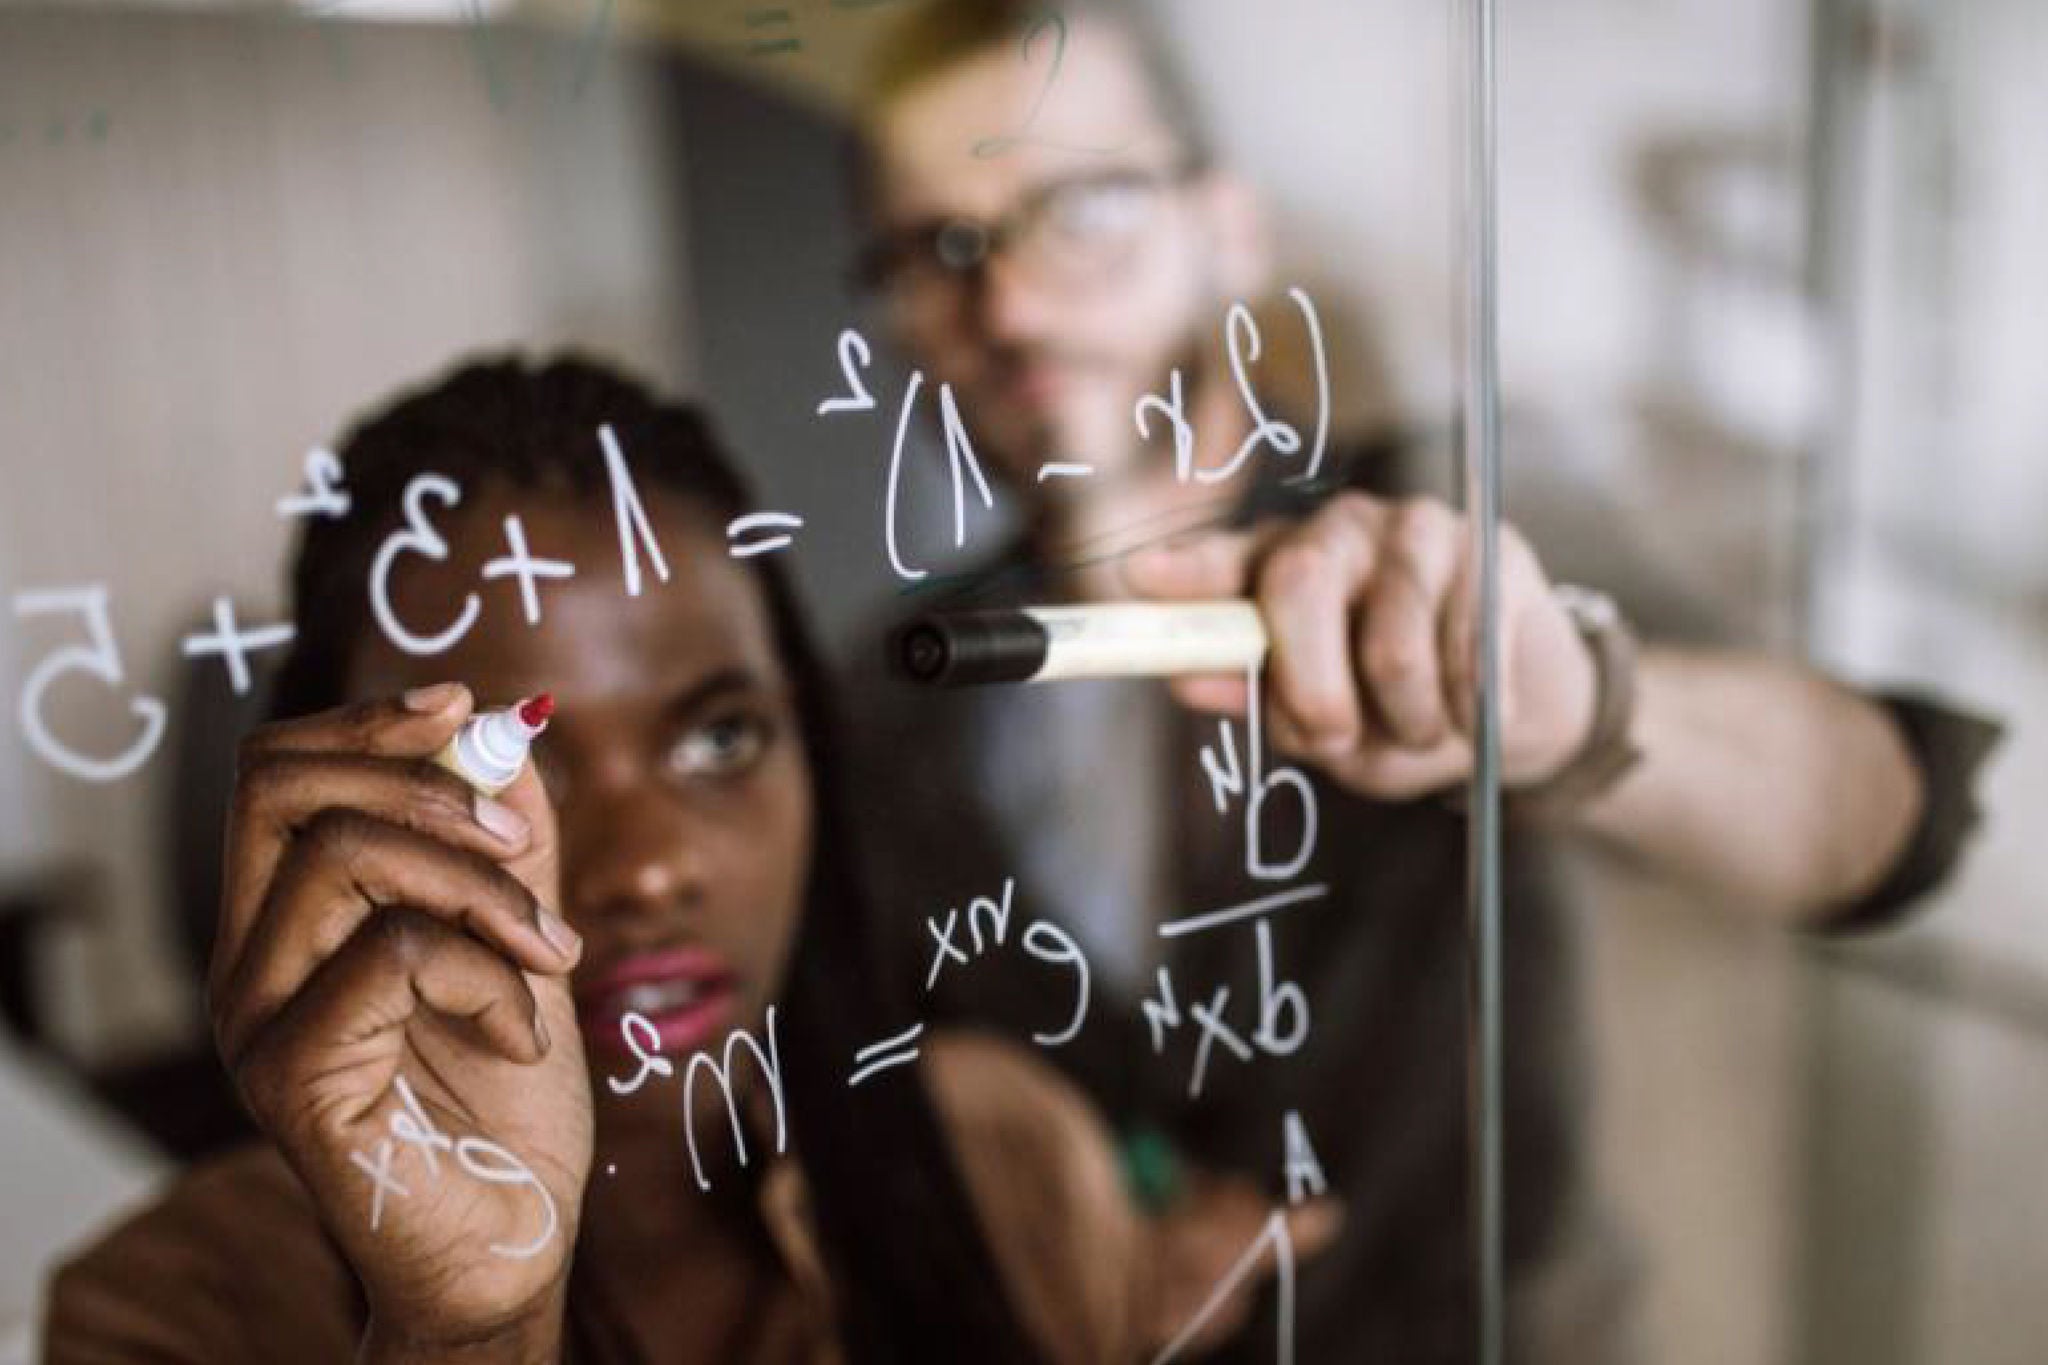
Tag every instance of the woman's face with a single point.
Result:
(674, 758)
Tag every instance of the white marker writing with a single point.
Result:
(857, 398)
(419, 537)
(770, 1062)
(485, 1160)
(896, 1050)
(522, 564)
(1274, 1234)
(478, 1157)
(1048, 942)
(634, 530)
(99, 658)
(1304, 1172)
(381, 1179)
(233, 644)
(323, 495)
(1262, 786)
(643, 1040)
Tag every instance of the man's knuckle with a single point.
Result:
(1300, 564)
(1395, 660)
(1516, 551)
(1426, 519)
(1314, 705)
(1353, 508)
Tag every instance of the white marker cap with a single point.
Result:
(489, 750)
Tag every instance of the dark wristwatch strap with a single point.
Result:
(1609, 751)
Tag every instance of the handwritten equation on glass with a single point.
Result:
(1196, 1026)
(92, 658)
(1200, 1024)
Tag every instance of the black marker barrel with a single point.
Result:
(966, 647)
(1113, 640)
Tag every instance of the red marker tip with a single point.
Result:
(535, 712)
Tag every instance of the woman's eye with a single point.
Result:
(720, 747)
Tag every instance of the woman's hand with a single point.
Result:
(390, 991)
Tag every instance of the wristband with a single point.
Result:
(1609, 752)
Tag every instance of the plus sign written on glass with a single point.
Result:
(233, 644)
(523, 565)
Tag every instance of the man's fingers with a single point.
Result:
(1216, 695)
(346, 866)
(1523, 585)
(1524, 591)
(1399, 631)
(1198, 565)
(1309, 586)
(374, 985)
(1460, 647)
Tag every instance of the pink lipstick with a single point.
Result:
(686, 994)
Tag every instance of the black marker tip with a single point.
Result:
(963, 648)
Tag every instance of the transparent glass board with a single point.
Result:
(886, 680)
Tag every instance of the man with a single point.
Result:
(1061, 251)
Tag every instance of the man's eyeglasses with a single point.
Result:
(1071, 231)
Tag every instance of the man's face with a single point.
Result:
(1115, 264)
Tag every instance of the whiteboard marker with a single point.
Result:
(490, 748)
(1112, 640)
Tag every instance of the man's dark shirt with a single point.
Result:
(1380, 1083)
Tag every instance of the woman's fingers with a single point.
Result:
(374, 984)
(538, 864)
(276, 786)
(344, 866)
(279, 792)
(411, 725)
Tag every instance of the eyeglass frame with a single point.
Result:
(879, 264)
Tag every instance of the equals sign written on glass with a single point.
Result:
(760, 533)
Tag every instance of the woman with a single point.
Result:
(424, 994)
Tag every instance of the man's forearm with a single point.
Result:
(1762, 781)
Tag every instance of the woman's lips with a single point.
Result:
(685, 994)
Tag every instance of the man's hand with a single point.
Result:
(1371, 610)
